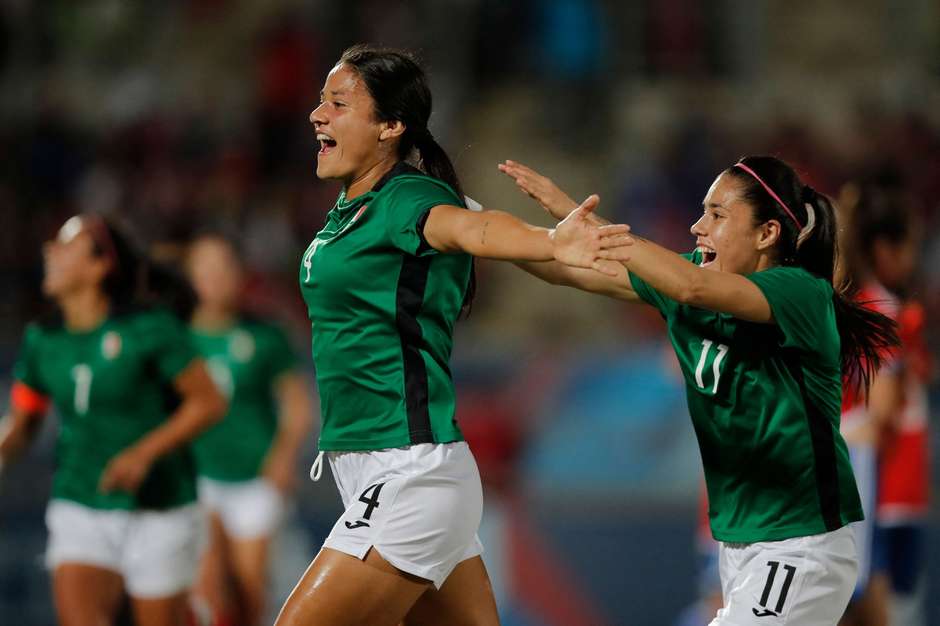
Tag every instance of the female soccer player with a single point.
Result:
(763, 340)
(384, 282)
(123, 513)
(885, 429)
(245, 462)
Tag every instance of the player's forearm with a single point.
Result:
(591, 281)
(195, 414)
(665, 271)
(499, 235)
(17, 432)
(295, 419)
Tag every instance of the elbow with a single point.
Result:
(691, 288)
(215, 406)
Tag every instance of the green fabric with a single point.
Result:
(245, 361)
(111, 386)
(382, 306)
(751, 390)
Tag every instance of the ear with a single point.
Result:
(391, 130)
(767, 234)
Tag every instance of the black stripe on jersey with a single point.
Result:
(408, 299)
(824, 455)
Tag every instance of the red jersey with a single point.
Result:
(904, 473)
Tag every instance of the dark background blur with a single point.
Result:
(176, 115)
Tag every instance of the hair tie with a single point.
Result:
(810, 223)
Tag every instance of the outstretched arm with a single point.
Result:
(664, 270)
(498, 235)
(613, 280)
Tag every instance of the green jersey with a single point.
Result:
(244, 361)
(111, 386)
(765, 403)
(382, 307)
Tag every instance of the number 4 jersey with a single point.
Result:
(111, 386)
(765, 403)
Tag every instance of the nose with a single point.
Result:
(317, 116)
(698, 228)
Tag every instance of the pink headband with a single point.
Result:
(771, 192)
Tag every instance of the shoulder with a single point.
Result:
(793, 281)
(419, 187)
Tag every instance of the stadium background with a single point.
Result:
(175, 115)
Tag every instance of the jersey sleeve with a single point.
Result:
(800, 304)
(655, 298)
(166, 343)
(410, 199)
(26, 368)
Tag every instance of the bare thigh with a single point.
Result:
(212, 576)
(465, 599)
(249, 567)
(86, 595)
(340, 590)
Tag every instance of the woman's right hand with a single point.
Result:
(540, 188)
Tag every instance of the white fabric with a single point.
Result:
(419, 506)
(154, 551)
(821, 570)
(248, 509)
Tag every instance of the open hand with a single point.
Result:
(126, 471)
(540, 188)
(580, 243)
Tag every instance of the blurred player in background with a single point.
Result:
(123, 515)
(383, 301)
(763, 339)
(246, 463)
(887, 429)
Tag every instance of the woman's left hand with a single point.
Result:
(579, 243)
(126, 471)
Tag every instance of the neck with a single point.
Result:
(210, 318)
(84, 310)
(365, 180)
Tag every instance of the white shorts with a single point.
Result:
(154, 551)
(805, 581)
(248, 509)
(419, 506)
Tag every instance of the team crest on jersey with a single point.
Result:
(111, 345)
(241, 346)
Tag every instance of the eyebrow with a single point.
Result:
(712, 205)
(333, 93)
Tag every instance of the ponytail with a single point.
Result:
(809, 239)
(135, 281)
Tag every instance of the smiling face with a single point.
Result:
(352, 141)
(726, 234)
(70, 263)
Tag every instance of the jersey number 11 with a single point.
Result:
(716, 364)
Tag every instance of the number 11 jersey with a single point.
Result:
(765, 404)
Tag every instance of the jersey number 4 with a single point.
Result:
(716, 364)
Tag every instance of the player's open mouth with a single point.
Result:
(327, 143)
(708, 256)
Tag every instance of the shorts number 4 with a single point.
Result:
(370, 497)
(764, 610)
